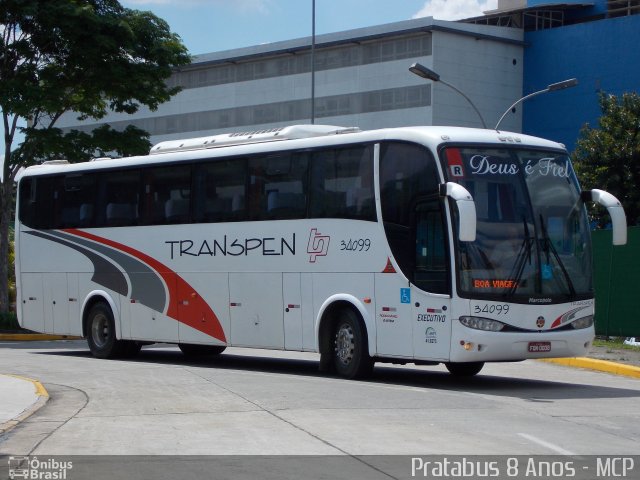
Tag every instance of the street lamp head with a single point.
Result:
(424, 72)
(572, 82)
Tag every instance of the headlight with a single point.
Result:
(584, 322)
(480, 323)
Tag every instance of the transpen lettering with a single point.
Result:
(265, 246)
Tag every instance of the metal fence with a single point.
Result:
(617, 284)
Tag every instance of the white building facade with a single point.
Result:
(361, 79)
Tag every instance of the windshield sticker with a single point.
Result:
(547, 272)
(547, 167)
(454, 160)
(485, 165)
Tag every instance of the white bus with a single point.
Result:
(425, 244)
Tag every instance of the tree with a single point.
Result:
(82, 56)
(609, 157)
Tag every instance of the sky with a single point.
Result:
(215, 25)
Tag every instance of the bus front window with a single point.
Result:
(532, 234)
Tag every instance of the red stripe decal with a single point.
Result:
(195, 313)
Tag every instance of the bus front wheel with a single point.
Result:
(351, 352)
(466, 369)
(101, 333)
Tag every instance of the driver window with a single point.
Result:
(430, 251)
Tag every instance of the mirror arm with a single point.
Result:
(616, 212)
(466, 209)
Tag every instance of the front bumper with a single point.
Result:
(513, 346)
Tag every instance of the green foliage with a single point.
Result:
(79, 146)
(9, 322)
(608, 157)
(82, 57)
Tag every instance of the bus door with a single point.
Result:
(430, 288)
(255, 307)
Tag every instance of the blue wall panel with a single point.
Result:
(603, 55)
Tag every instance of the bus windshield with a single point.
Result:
(533, 242)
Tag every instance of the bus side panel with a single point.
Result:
(358, 285)
(214, 288)
(393, 316)
(31, 302)
(73, 322)
(309, 314)
(56, 303)
(256, 311)
(292, 300)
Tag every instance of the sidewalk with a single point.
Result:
(19, 398)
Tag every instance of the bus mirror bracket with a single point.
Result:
(466, 209)
(616, 212)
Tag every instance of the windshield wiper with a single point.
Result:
(524, 255)
(549, 247)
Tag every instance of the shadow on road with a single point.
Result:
(415, 377)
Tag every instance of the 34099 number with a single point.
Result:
(356, 245)
(498, 309)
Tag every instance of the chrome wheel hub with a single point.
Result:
(345, 344)
(100, 330)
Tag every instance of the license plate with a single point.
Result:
(539, 347)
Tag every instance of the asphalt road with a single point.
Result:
(254, 402)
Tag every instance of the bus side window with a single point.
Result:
(342, 184)
(27, 195)
(220, 191)
(120, 204)
(278, 186)
(167, 195)
(76, 196)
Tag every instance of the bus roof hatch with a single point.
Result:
(228, 139)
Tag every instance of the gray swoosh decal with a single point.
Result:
(104, 272)
(146, 287)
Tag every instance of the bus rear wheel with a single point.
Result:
(466, 369)
(101, 333)
(191, 350)
(351, 352)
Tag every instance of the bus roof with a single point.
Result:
(291, 138)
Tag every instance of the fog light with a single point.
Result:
(584, 322)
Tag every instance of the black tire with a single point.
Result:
(191, 350)
(468, 369)
(101, 333)
(350, 346)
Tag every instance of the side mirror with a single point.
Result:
(466, 209)
(616, 212)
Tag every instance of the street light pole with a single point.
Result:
(428, 74)
(572, 82)
(313, 62)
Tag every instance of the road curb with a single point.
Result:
(43, 398)
(34, 337)
(598, 365)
